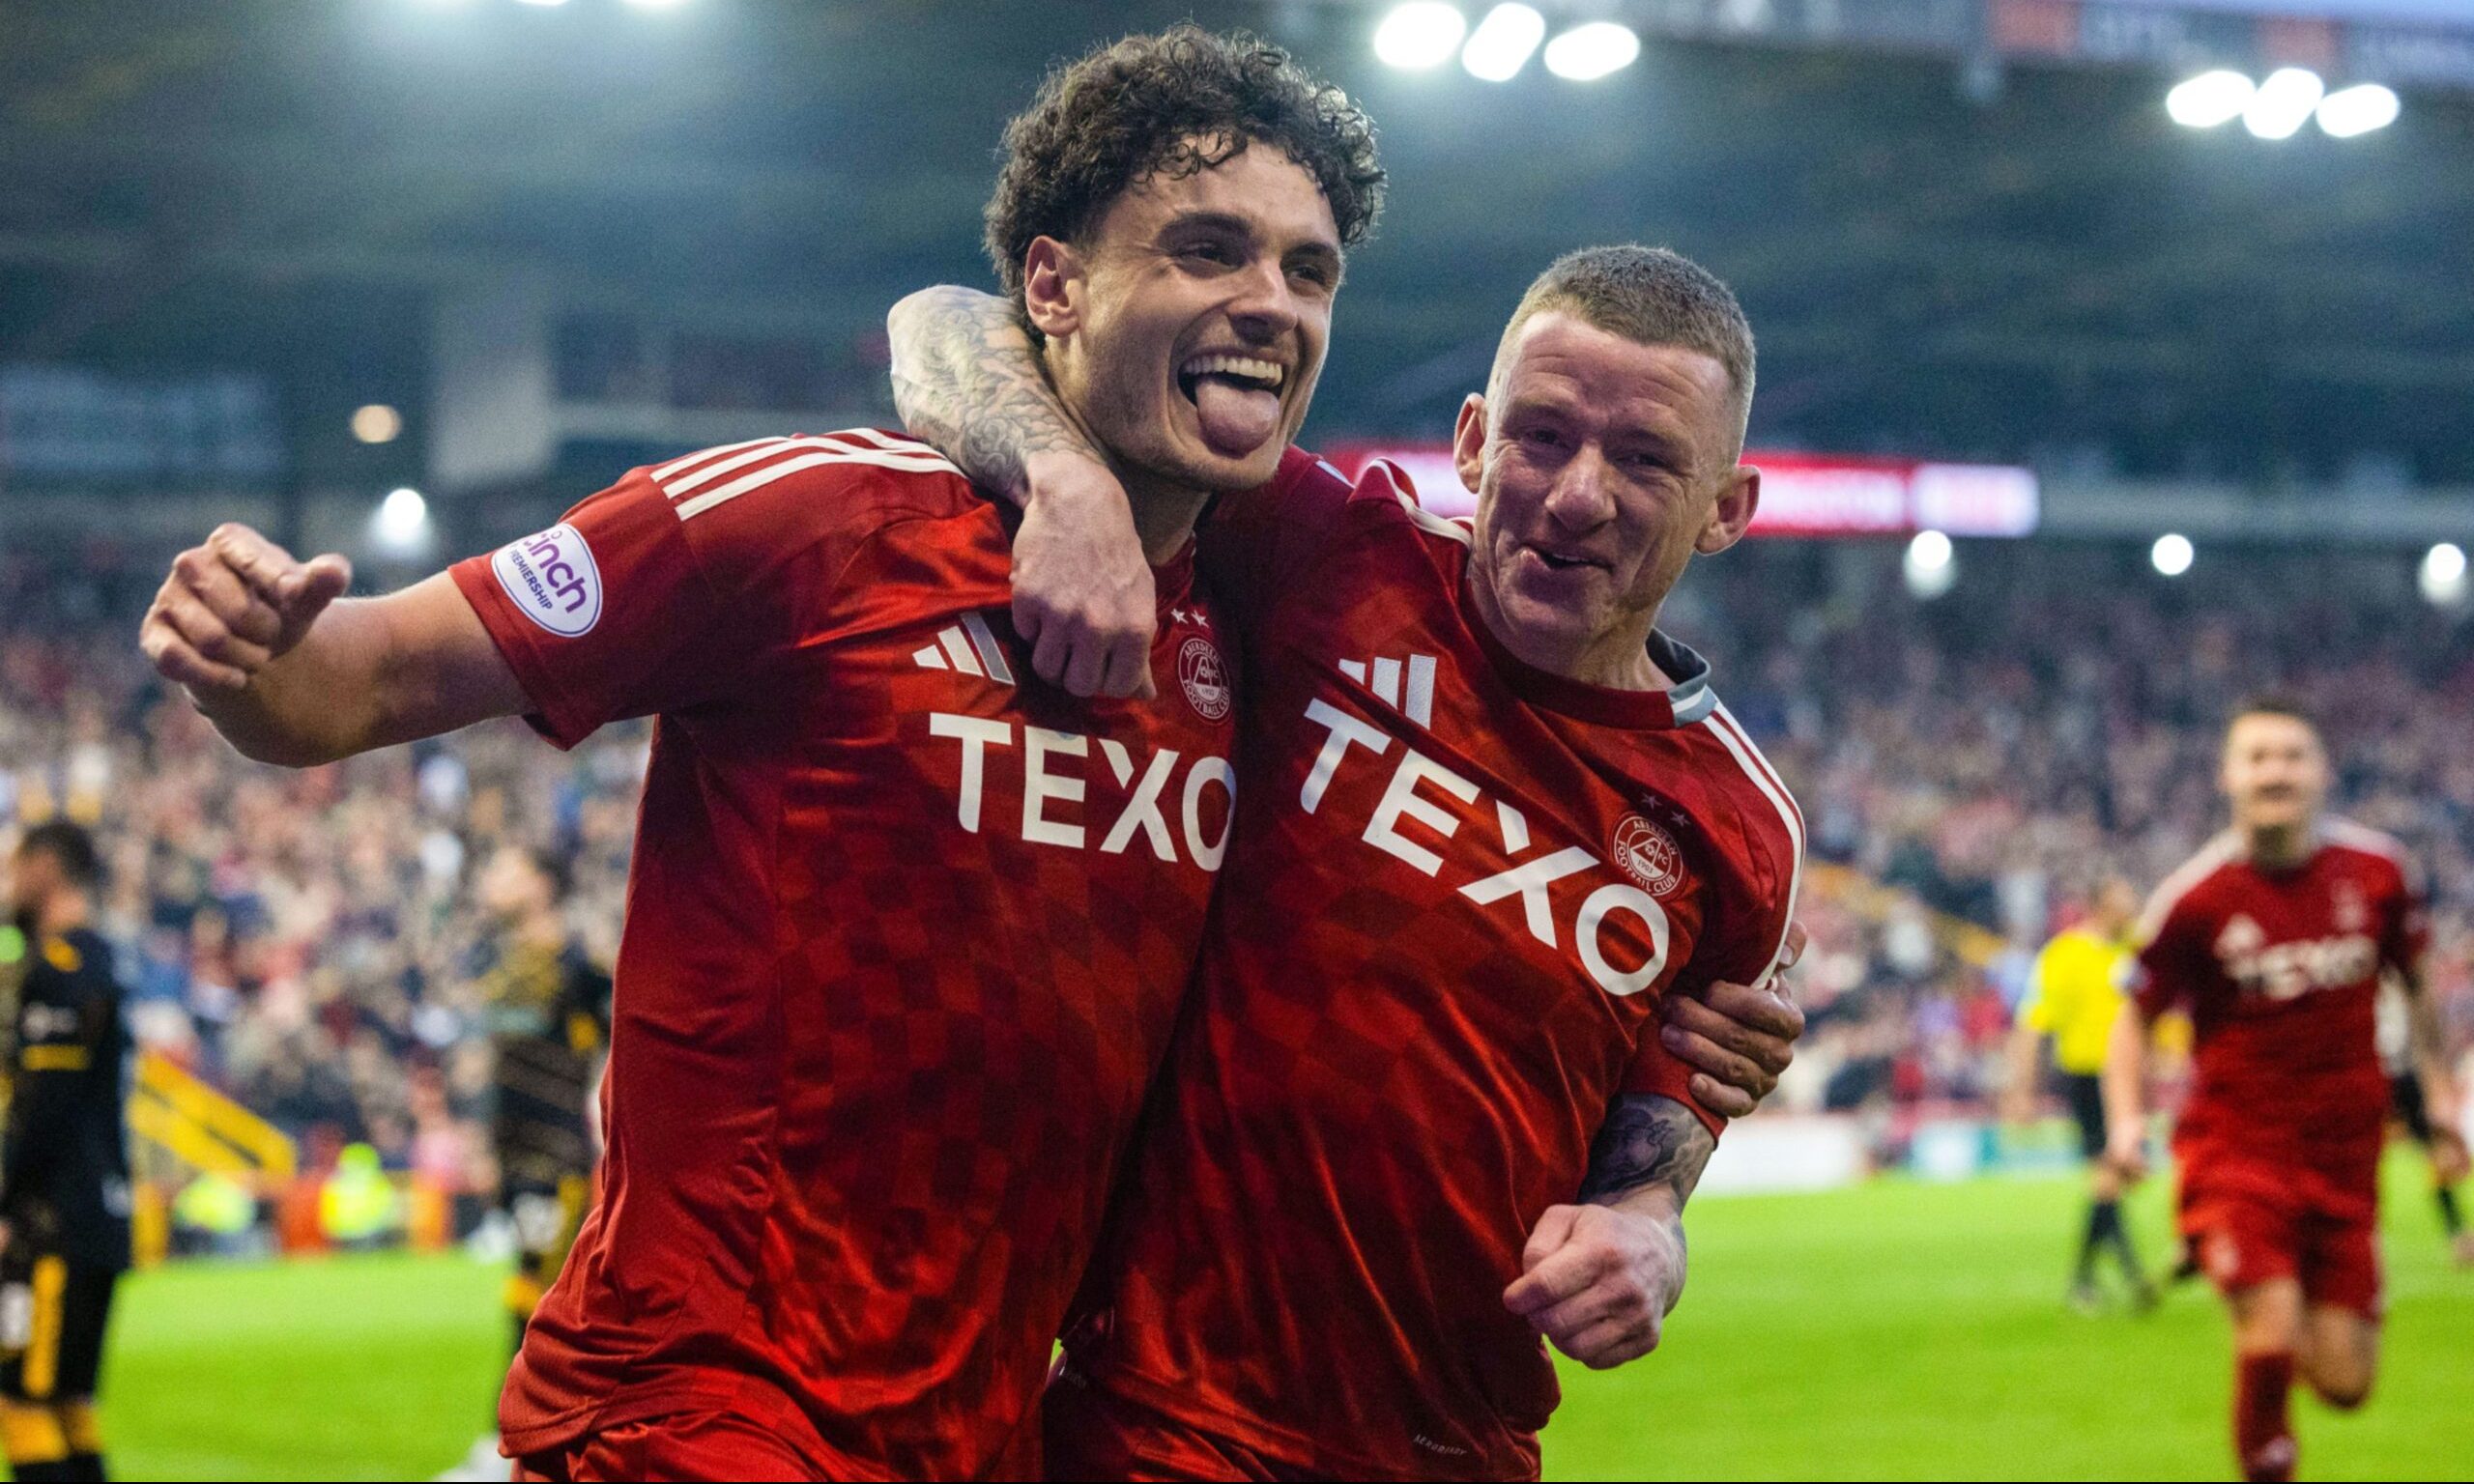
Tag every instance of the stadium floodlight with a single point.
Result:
(2172, 555)
(1587, 53)
(1500, 47)
(2358, 110)
(1931, 566)
(2283, 104)
(402, 526)
(377, 423)
(2210, 99)
(1420, 35)
(2443, 578)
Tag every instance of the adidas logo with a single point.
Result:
(1414, 699)
(969, 647)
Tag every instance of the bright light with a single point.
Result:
(1931, 566)
(2443, 575)
(1586, 53)
(1500, 47)
(2172, 555)
(377, 423)
(402, 526)
(2284, 103)
(1419, 35)
(2358, 110)
(656, 4)
(545, 2)
(2210, 99)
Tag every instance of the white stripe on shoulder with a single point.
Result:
(1757, 768)
(1430, 523)
(684, 484)
(892, 443)
(2338, 830)
(680, 464)
(784, 468)
(2212, 857)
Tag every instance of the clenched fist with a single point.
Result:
(1600, 1282)
(233, 606)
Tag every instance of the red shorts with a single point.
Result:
(1090, 1434)
(2245, 1233)
(675, 1445)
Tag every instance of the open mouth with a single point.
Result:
(1236, 399)
(1557, 562)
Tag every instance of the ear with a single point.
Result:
(1469, 441)
(1051, 283)
(1731, 515)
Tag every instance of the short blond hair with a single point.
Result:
(1650, 296)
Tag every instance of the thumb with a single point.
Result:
(304, 591)
(1027, 614)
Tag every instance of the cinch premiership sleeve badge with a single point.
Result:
(552, 579)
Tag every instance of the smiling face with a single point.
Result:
(1600, 464)
(1187, 334)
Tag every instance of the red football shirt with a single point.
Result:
(1458, 890)
(2280, 972)
(905, 934)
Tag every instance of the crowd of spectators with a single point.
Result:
(305, 940)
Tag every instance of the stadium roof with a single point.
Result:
(1940, 257)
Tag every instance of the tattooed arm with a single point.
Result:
(1601, 1276)
(966, 378)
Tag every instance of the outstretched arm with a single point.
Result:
(967, 379)
(1601, 1278)
(290, 675)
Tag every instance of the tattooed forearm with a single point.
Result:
(1647, 1141)
(967, 379)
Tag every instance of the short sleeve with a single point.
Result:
(2160, 974)
(1250, 546)
(1657, 1072)
(2410, 929)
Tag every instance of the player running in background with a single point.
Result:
(2275, 938)
(2412, 1113)
(64, 1169)
(1494, 823)
(2074, 996)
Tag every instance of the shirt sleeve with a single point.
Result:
(634, 606)
(2160, 975)
(1657, 1072)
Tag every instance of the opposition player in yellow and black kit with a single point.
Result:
(2074, 997)
(548, 1015)
(64, 1161)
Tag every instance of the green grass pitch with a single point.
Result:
(1894, 1331)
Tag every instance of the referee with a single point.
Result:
(2074, 998)
(64, 1166)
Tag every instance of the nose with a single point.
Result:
(1582, 498)
(1263, 306)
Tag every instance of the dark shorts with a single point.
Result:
(2406, 1096)
(53, 1318)
(2086, 1095)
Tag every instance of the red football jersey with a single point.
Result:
(1459, 888)
(2280, 972)
(905, 934)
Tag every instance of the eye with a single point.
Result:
(1316, 273)
(1218, 254)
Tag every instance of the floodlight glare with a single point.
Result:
(1500, 47)
(2443, 575)
(2172, 555)
(2357, 110)
(403, 522)
(377, 423)
(2210, 99)
(1931, 566)
(1587, 53)
(656, 5)
(2283, 104)
(1420, 35)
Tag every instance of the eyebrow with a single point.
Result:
(1238, 226)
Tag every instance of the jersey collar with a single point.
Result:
(1688, 702)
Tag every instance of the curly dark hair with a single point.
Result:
(1179, 101)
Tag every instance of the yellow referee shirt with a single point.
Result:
(2074, 998)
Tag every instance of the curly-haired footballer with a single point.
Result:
(908, 930)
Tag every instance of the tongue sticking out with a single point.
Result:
(1237, 416)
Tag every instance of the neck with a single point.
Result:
(1164, 512)
(2279, 847)
(1616, 660)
